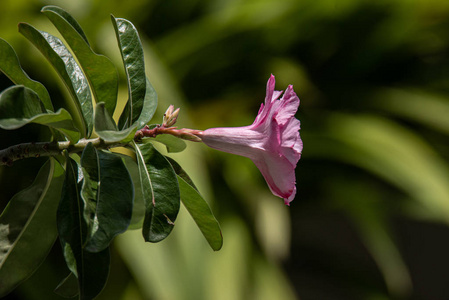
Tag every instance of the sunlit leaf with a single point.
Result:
(100, 71)
(62, 60)
(161, 193)
(62, 15)
(10, 66)
(133, 59)
(20, 105)
(28, 227)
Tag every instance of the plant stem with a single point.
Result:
(184, 133)
(20, 151)
(26, 150)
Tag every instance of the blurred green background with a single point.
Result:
(370, 219)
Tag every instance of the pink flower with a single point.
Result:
(272, 142)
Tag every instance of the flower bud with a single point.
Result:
(170, 116)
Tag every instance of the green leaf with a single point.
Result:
(198, 208)
(19, 106)
(72, 227)
(107, 130)
(62, 60)
(149, 106)
(89, 188)
(91, 269)
(103, 119)
(28, 227)
(124, 136)
(100, 71)
(201, 214)
(95, 273)
(181, 172)
(92, 273)
(19, 102)
(139, 205)
(133, 60)
(10, 66)
(161, 193)
(111, 194)
(62, 15)
(173, 144)
(68, 287)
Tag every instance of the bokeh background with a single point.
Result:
(370, 219)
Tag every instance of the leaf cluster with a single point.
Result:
(88, 196)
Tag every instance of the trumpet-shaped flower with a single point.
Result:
(272, 142)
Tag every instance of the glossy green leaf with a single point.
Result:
(107, 130)
(161, 193)
(72, 227)
(28, 227)
(133, 59)
(100, 71)
(10, 66)
(65, 16)
(110, 193)
(89, 188)
(19, 106)
(91, 269)
(139, 205)
(69, 71)
(198, 208)
(149, 106)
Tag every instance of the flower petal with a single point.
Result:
(290, 133)
(279, 174)
(288, 107)
(270, 89)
